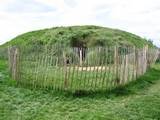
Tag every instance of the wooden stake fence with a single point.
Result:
(73, 69)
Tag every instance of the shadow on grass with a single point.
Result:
(134, 87)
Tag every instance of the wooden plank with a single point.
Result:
(124, 65)
(96, 67)
(81, 71)
(105, 61)
(92, 69)
(65, 71)
(109, 79)
(69, 67)
(90, 80)
(73, 70)
(120, 65)
(102, 68)
(81, 56)
(134, 63)
(116, 61)
(86, 70)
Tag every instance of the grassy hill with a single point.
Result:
(79, 36)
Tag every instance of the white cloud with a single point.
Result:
(138, 16)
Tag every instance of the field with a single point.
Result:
(79, 73)
(139, 100)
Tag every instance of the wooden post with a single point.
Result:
(9, 60)
(73, 70)
(116, 62)
(15, 71)
(80, 54)
(65, 71)
(90, 81)
(145, 58)
(11, 53)
(126, 69)
(134, 63)
(96, 65)
(137, 62)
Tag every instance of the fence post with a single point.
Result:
(80, 54)
(134, 62)
(116, 61)
(145, 58)
(65, 71)
(15, 66)
(137, 63)
(9, 60)
(13, 62)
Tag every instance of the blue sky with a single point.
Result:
(140, 17)
(27, 6)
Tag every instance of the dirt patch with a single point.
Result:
(95, 68)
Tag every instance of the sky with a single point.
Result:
(141, 17)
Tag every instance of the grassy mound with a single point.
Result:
(79, 36)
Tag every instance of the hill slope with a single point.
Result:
(79, 36)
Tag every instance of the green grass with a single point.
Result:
(139, 100)
(85, 36)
